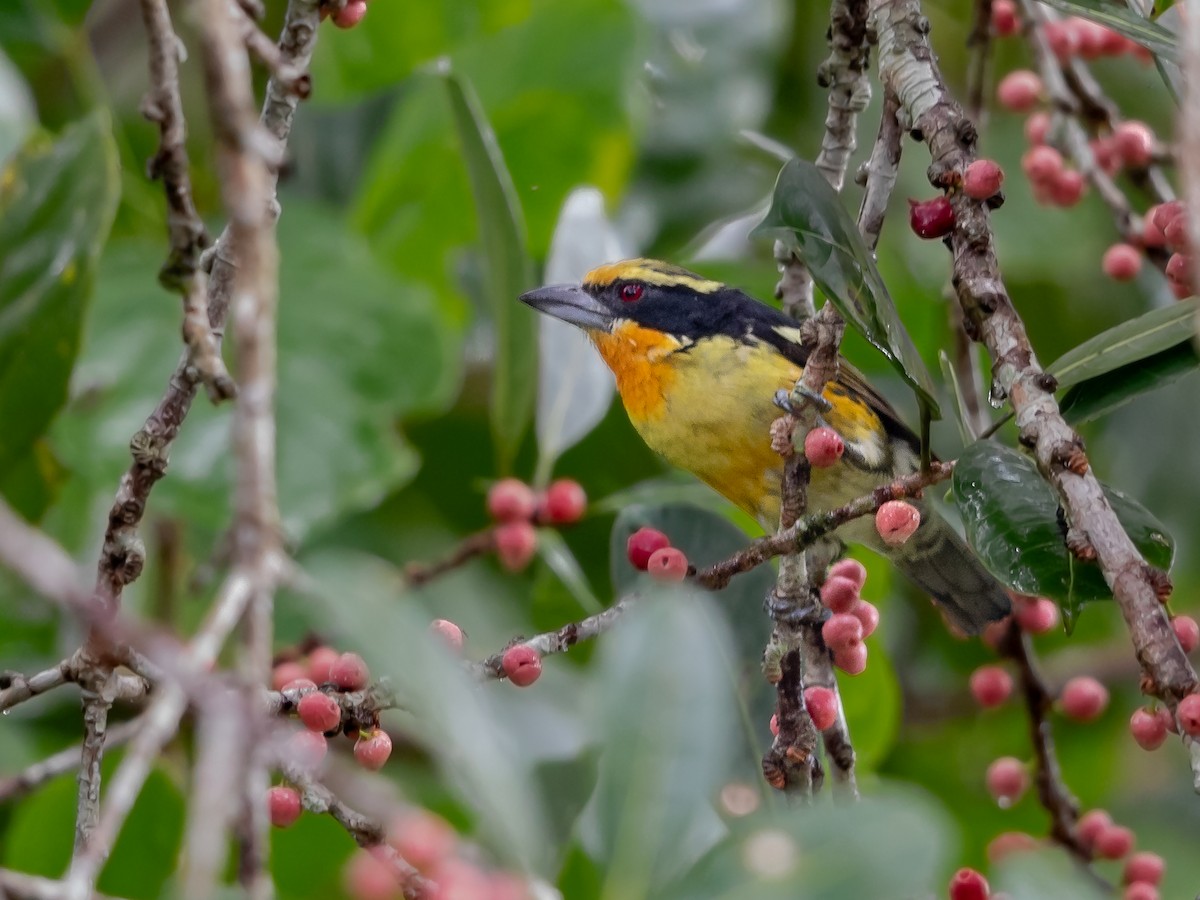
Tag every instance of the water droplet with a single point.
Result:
(997, 395)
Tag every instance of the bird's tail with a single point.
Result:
(940, 562)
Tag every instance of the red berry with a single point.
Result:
(1009, 842)
(372, 749)
(851, 659)
(1106, 154)
(1187, 631)
(967, 884)
(642, 543)
(565, 502)
(306, 750)
(1188, 712)
(1181, 290)
(1007, 780)
(1134, 142)
(991, 686)
(1152, 235)
(896, 522)
(1019, 91)
(319, 712)
(448, 632)
(849, 568)
(931, 218)
(1090, 824)
(839, 593)
(284, 805)
(1083, 698)
(841, 630)
(823, 447)
(349, 672)
(1176, 233)
(516, 542)
(1062, 39)
(369, 876)
(1068, 188)
(1037, 128)
(982, 179)
(457, 879)
(351, 14)
(1036, 615)
(1042, 164)
(1141, 890)
(423, 839)
(1145, 867)
(822, 706)
(320, 661)
(1164, 715)
(511, 500)
(522, 665)
(1148, 729)
(774, 725)
(285, 673)
(1114, 842)
(1179, 268)
(668, 564)
(1164, 214)
(1121, 262)
(868, 614)
(1004, 18)
(1093, 38)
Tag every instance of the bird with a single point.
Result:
(697, 365)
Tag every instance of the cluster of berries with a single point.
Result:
(933, 219)
(430, 845)
(1069, 37)
(515, 506)
(650, 551)
(853, 620)
(522, 664)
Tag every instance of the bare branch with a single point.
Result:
(470, 547)
(19, 886)
(16, 688)
(60, 763)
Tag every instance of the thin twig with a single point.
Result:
(470, 547)
(60, 763)
(16, 688)
(878, 174)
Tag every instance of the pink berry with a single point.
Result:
(851, 659)
(457, 879)
(284, 805)
(1093, 38)
(849, 568)
(1176, 233)
(1121, 262)
(839, 593)
(516, 542)
(1148, 729)
(1068, 188)
(369, 876)
(1007, 779)
(511, 500)
(351, 15)
(1019, 91)
(967, 884)
(1042, 164)
(564, 503)
(642, 543)
(300, 684)
(1188, 712)
(319, 712)
(1187, 632)
(896, 522)
(822, 706)
(668, 564)
(1181, 290)
(349, 672)
(1164, 214)
(1062, 39)
(868, 614)
(372, 749)
(991, 686)
(1090, 824)
(1037, 128)
(823, 447)
(1083, 698)
(423, 839)
(982, 179)
(1163, 713)
(285, 673)
(1141, 890)
(1179, 268)
(774, 725)
(1009, 842)
(932, 218)
(1134, 142)
(841, 630)
(1037, 615)
(1107, 155)
(448, 632)
(1114, 842)
(306, 750)
(522, 665)
(1004, 18)
(1144, 866)
(1152, 235)
(320, 661)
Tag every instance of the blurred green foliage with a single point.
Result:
(602, 776)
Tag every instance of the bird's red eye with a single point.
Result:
(631, 292)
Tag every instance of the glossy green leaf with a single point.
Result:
(57, 201)
(508, 270)
(1012, 521)
(32, 483)
(808, 215)
(1125, 21)
(1101, 395)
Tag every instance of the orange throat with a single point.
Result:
(637, 357)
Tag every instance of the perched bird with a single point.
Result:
(698, 363)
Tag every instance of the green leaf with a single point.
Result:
(960, 407)
(562, 562)
(509, 271)
(1011, 517)
(57, 201)
(872, 704)
(809, 216)
(1123, 20)
(18, 115)
(32, 483)
(1104, 393)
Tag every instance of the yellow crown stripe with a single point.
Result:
(649, 271)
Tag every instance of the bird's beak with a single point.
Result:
(572, 304)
